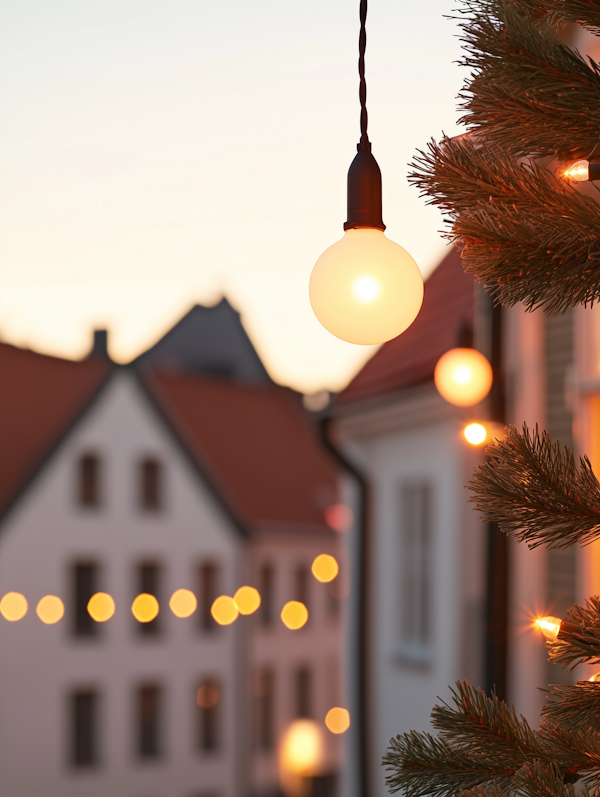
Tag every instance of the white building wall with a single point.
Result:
(42, 536)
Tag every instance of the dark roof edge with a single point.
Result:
(235, 515)
(39, 466)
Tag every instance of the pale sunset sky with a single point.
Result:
(160, 153)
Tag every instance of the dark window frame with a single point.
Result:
(209, 731)
(84, 584)
(89, 480)
(151, 484)
(149, 579)
(209, 576)
(84, 720)
(149, 700)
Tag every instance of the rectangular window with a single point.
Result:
(415, 566)
(265, 709)
(266, 590)
(151, 488)
(149, 578)
(89, 480)
(303, 677)
(208, 576)
(149, 699)
(84, 728)
(209, 699)
(84, 585)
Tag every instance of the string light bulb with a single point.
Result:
(549, 626)
(365, 288)
(583, 170)
(463, 376)
(475, 433)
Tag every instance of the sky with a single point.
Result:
(163, 153)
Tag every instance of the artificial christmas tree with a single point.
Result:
(532, 108)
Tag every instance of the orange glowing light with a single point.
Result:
(183, 603)
(463, 377)
(595, 677)
(208, 695)
(294, 615)
(224, 610)
(13, 606)
(101, 607)
(247, 600)
(579, 171)
(325, 568)
(339, 517)
(338, 720)
(549, 626)
(302, 747)
(50, 609)
(145, 608)
(475, 433)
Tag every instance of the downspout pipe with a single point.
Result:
(363, 602)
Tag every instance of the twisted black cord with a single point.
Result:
(362, 91)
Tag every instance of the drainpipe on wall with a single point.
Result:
(363, 600)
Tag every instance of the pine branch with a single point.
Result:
(526, 88)
(528, 235)
(582, 643)
(533, 490)
(539, 779)
(575, 706)
(553, 12)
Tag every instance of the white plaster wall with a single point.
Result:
(40, 665)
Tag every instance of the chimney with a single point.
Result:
(100, 344)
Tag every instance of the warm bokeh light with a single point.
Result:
(325, 568)
(145, 608)
(579, 171)
(207, 695)
(475, 433)
(183, 603)
(549, 626)
(50, 609)
(101, 607)
(339, 517)
(294, 615)
(365, 288)
(247, 600)
(13, 606)
(463, 377)
(338, 720)
(301, 749)
(224, 610)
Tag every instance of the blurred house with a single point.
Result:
(426, 583)
(187, 469)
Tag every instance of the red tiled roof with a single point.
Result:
(256, 442)
(410, 359)
(40, 396)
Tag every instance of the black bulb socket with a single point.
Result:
(594, 168)
(364, 193)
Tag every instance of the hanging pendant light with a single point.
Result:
(365, 288)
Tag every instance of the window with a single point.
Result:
(266, 590)
(302, 581)
(151, 486)
(89, 480)
(303, 689)
(84, 728)
(84, 585)
(265, 709)
(415, 599)
(149, 578)
(208, 576)
(149, 699)
(208, 699)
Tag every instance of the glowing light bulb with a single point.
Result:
(224, 610)
(294, 615)
(595, 677)
(247, 600)
(365, 288)
(579, 171)
(337, 720)
(302, 748)
(549, 626)
(475, 433)
(463, 377)
(325, 568)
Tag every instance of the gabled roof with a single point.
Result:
(410, 359)
(207, 340)
(258, 446)
(40, 398)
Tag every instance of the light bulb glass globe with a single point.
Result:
(365, 288)
(579, 171)
(463, 376)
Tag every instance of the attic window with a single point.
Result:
(151, 485)
(89, 480)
